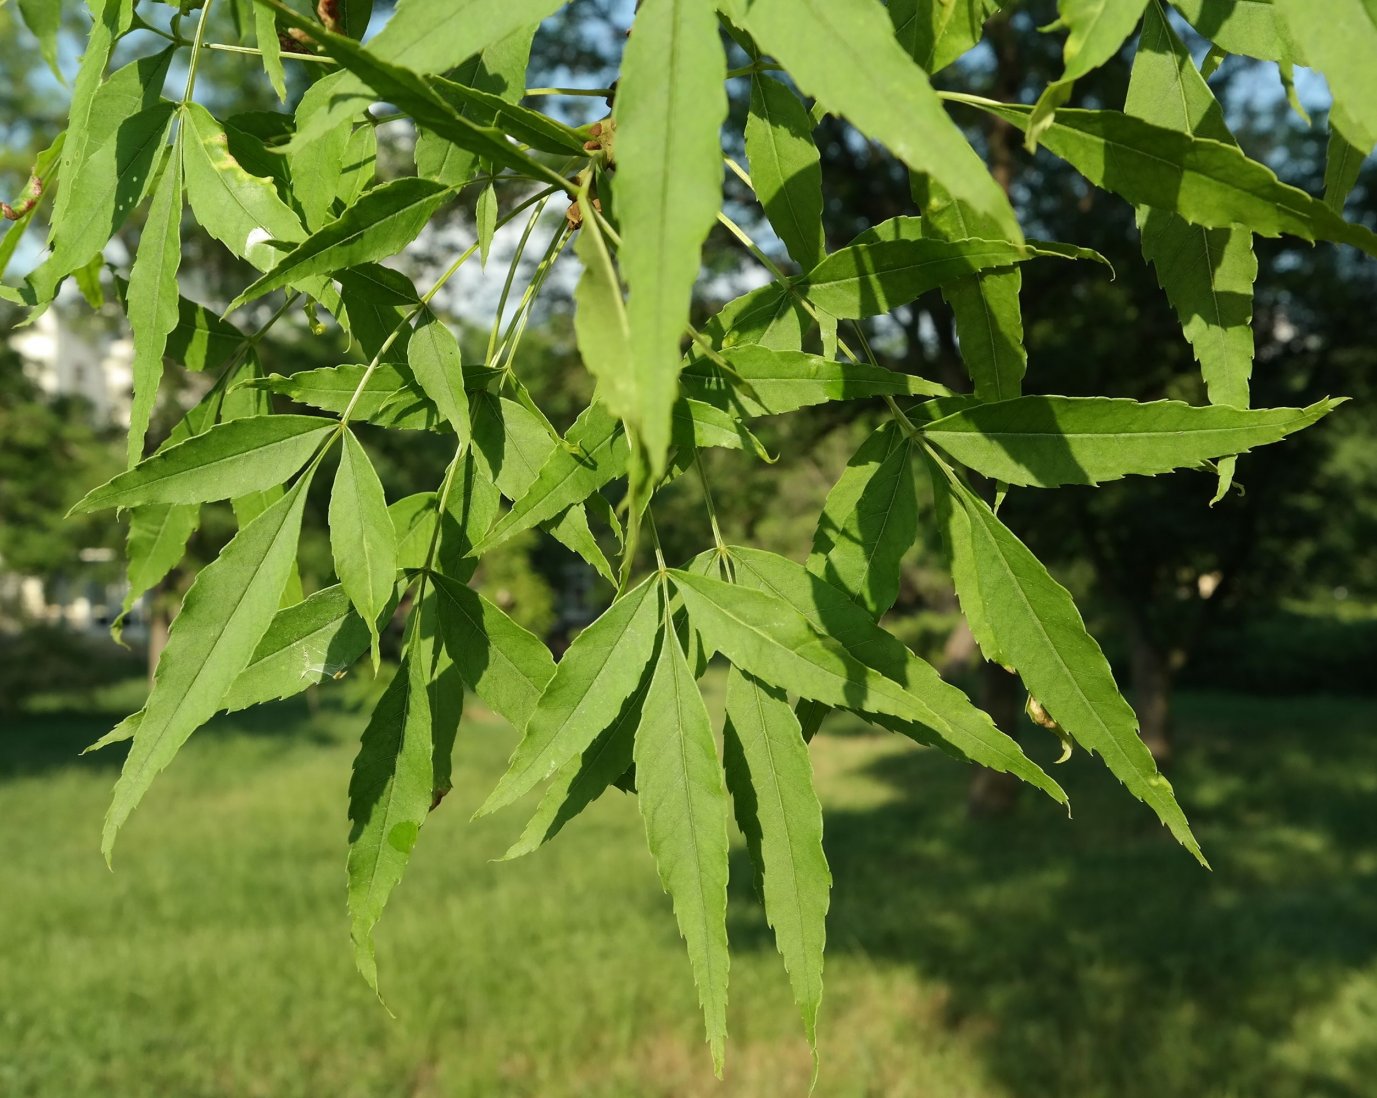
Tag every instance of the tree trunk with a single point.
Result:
(992, 793)
(1152, 673)
(159, 621)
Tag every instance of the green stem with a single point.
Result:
(592, 93)
(195, 60)
(287, 55)
(718, 541)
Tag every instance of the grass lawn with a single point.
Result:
(1031, 956)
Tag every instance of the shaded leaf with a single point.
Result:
(390, 794)
(1047, 441)
(870, 279)
(868, 523)
(505, 665)
(782, 381)
(785, 168)
(598, 672)
(584, 779)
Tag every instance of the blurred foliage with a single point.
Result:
(50, 454)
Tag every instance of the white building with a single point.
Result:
(66, 352)
(65, 360)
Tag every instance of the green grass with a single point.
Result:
(1031, 956)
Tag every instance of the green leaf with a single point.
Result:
(1207, 182)
(362, 538)
(870, 279)
(265, 33)
(936, 32)
(444, 692)
(771, 316)
(584, 779)
(45, 169)
(240, 210)
(670, 107)
(1040, 631)
(505, 665)
(1047, 441)
(684, 805)
(433, 355)
(1340, 43)
(375, 68)
(985, 305)
(309, 642)
(378, 225)
(158, 536)
(1344, 160)
(485, 218)
(230, 459)
(703, 425)
(844, 53)
(375, 304)
(601, 326)
(128, 127)
(390, 397)
(44, 20)
(595, 453)
(764, 635)
(223, 617)
(959, 543)
(200, 340)
(351, 16)
(949, 720)
(1097, 29)
(492, 76)
(771, 782)
(428, 36)
(112, 19)
(153, 301)
(597, 674)
(785, 168)
(783, 381)
(1253, 28)
(1207, 274)
(390, 795)
(315, 168)
(870, 520)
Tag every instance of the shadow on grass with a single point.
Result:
(1094, 957)
(33, 743)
